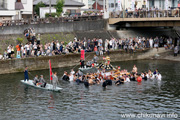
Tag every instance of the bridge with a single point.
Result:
(169, 18)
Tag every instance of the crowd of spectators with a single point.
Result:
(92, 13)
(146, 13)
(34, 47)
(89, 15)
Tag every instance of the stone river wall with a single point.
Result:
(38, 63)
(56, 27)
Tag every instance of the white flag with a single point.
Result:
(166, 4)
(133, 3)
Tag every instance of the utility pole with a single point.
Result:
(96, 4)
(50, 8)
(32, 10)
(104, 6)
(115, 5)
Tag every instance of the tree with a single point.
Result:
(19, 39)
(40, 4)
(59, 6)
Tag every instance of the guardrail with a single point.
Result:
(145, 14)
(49, 20)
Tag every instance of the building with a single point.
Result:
(28, 9)
(85, 2)
(15, 9)
(44, 10)
(162, 4)
(90, 4)
(7, 11)
(70, 6)
(98, 4)
(150, 4)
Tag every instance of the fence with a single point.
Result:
(49, 20)
(145, 14)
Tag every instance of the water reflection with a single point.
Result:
(51, 102)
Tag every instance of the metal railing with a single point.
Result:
(49, 20)
(145, 14)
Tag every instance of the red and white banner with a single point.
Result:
(50, 69)
(119, 5)
(82, 54)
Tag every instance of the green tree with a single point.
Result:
(59, 6)
(40, 4)
(19, 39)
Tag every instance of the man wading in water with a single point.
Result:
(134, 69)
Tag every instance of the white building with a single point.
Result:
(15, 9)
(70, 6)
(28, 8)
(162, 4)
(7, 10)
(44, 10)
(132, 4)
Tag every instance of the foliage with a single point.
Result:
(19, 39)
(40, 4)
(65, 43)
(67, 13)
(59, 6)
(52, 15)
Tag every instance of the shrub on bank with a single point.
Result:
(52, 15)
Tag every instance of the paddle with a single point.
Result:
(31, 74)
(78, 63)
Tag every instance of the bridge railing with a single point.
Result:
(145, 14)
(49, 20)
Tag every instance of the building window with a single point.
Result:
(151, 3)
(116, 4)
(175, 3)
(3, 3)
(72, 11)
(112, 5)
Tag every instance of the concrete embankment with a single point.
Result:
(56, 27)
(39, 63)
(169, 55)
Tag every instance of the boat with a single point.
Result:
(48, 86)
(88, 70)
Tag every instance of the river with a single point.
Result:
(21, 102)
